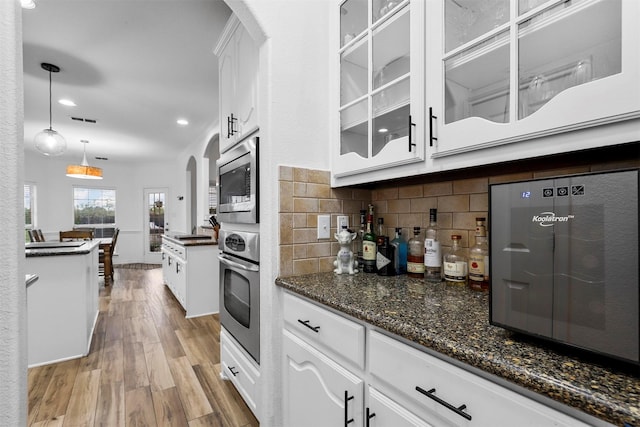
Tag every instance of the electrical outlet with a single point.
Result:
(343, 221)
(324, 224)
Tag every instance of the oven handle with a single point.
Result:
(250, 267)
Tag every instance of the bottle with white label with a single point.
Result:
(455, 263)
(432, 253)
(479, 259)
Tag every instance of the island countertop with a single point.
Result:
(190, 239)
(60, 248)
(454, 321)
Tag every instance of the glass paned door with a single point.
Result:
(155, 222)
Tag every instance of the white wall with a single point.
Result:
(54, 210)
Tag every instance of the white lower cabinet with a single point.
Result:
(240, 369)
(398, 385)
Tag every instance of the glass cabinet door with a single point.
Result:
(375, 86)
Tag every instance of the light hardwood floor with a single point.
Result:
(148, 366)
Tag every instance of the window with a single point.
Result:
(94, 207)
(213, 199)
(29, 209)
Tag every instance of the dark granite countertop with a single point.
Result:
(454, 321)
(38, 249)
(191, 239)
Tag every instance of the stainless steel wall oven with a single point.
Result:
(240, 288)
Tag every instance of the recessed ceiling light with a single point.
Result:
(27, 4)
(67, 102)
(182, 122)
(383, 130)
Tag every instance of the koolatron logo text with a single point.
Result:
(547, 219)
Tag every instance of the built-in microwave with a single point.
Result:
(238, 195)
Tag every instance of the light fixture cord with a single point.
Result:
(50, 127)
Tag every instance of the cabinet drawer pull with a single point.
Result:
(369, 416)
(231, 369)
(306, 323)
(347, 398)
(430, 394)
(431, 137)
(411, 125)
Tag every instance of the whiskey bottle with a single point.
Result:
(415, 256)
(432, 253)
(455, 263)
(369, 245)
(357, 242)
(479, 259)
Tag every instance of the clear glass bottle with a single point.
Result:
(357, 245)
(369, 245)
(455, 263)
(415, 255)
(381, 234)
(400, 253)
(479, 259)
(432, 253)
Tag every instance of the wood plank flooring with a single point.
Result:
(148, 366)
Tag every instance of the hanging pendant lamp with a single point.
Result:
(83, 170)
(49, 142)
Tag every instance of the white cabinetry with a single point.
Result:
(380, 66)
(238, 78)
(240, 369)
(326, 384)
(191, 272)
(521, 70)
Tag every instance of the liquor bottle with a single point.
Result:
(455, 263)
(357, 245)
(479, 259)
(384, 258)
(415, 256)
(400, 252)
(432, 253)
(381, 234)
(369, 245)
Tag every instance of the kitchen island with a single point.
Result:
(452, 323)
(62, 306)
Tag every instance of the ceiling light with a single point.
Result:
(383, 130)
(49, 142)
(182, 122)
(67, 102)
(27, 4)
(83, 170)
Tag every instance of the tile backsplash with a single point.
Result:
(459, 196)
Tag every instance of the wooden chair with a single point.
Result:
(76, 235)
(105, 267)
(33, 236)
(39, 235)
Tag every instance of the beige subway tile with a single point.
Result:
(299, 189)
(409, 221)
(479, 202)
(361, 194)
(423, 204)
(318, 250)
(616, 165)
(305, 266)
(437, 188)
(300, 220)
(459, 203)
(444, 220)
(319, 176)
(464, 220)
(286, 228)
(286, 260)
(561, 171)
(325, 265)
(312, 220)
(286, 196)
(385, 194)
(390, 221)
(467, 186)
(510, 177)
(342, 193)
(321, 191)
(329, 205)
(399, 206)
(351, 207)
(410, 192)
(286, 173)
(300, 174)
(303, 204)
(304, 235)
(380, 207)
(300, 251)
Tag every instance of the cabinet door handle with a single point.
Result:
(347, 398)
(177, 267)
(369, 416)
(228, 127)
(231, 369)
(169, 261)
(306, 323)
(233, 121)
(431, 395)
(431, 137)
(411, 125)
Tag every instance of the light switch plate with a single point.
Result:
(342, 220)
(324, 225)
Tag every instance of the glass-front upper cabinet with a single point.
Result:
(511, 70)
(381, 99)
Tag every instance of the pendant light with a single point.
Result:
(49, 142)
(83, 170)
